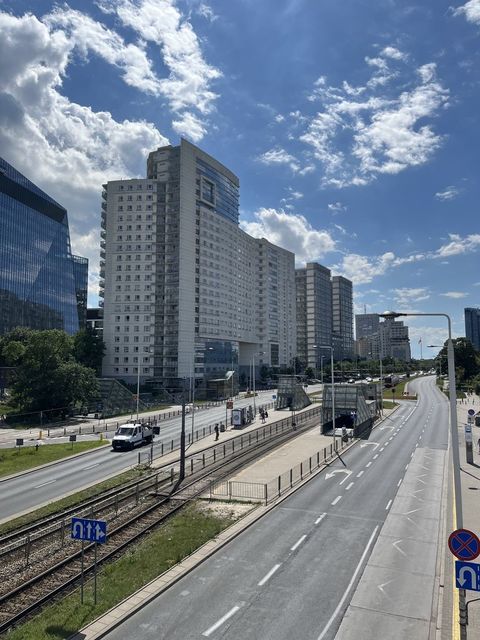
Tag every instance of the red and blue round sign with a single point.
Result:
(464, 544)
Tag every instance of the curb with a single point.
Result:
(146, 594)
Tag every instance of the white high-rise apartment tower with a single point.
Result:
(186, 291)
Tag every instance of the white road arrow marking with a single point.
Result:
(395, 544)
(332, 473)
(381, 587)
(365, 444)
(473, 575)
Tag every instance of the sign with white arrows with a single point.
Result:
(331, 474)
(91, 530)
(467, 575)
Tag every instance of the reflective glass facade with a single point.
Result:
(37, 273)
(218, 191)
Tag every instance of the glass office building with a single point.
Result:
(41, 282)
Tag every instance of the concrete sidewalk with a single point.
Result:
(470, 478)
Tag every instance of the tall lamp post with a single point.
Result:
(452, 393)
(260, 353)
(195, 351)
(438, 346)
(326, 346)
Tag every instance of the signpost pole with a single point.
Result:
(95, 577)
(82, 578)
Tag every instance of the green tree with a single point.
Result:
(89, 349)
(467, 360)
(309, 373)
(47, 377)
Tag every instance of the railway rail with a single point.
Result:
(204, 468)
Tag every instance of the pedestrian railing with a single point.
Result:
(268, 491)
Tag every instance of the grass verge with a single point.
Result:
(178, 538)
(387, 404)
(23, 458)
(71, 501)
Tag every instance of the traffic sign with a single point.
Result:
(471, 412)
(467, 575)
(91, 530)
(464, 544)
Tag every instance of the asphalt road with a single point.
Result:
(295, 572)
(40, 487)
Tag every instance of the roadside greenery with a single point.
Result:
(72, 500)
(25, 457)
(49, 371)
(158, 552)
(467, 364)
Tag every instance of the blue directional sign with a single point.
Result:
(91, 530)
(467, 575)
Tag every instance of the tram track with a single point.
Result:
(205, 467)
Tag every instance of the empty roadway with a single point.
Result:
(293, 573)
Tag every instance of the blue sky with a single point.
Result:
(353, 126)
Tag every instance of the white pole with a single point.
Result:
(254, 403)
(138, 385)
(333, 397)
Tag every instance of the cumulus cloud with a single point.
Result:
(406, 296)
(68, 149)
(471, 11)
(292, 232)
(336, 207)
(160, 22)
(459, 245)
(363, 269)
(447, 194)
(279, 156)
(381, 127)
(456, 295)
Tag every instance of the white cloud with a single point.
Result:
(406, 296)
(362, 269)
(459, 245)
(337, 207)
(447, 194)
(456, 295)
(68, 149)
(381, 127)
(394, 53)
(88, 35)
(292, 232)
(471, 11)
(160, 22)
(207, 12)
(280, 156)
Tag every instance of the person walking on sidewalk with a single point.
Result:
(217, 432)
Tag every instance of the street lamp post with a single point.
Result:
(438, 346)
(260, 353)
(322, 346)
(452, 393)
(195, 351)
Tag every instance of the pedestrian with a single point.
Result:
(217, 431)
(266, 415)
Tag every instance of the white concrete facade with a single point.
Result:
(199, 294)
